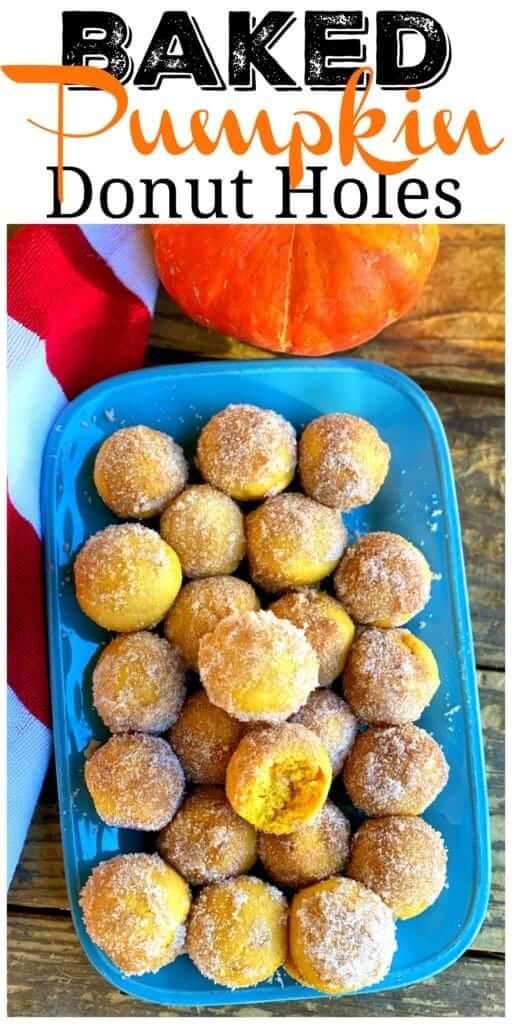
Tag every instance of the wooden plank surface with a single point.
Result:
(39, 880)
(453, 338)
(475, 428)
(49, 976)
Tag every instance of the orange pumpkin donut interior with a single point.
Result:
(278, 777)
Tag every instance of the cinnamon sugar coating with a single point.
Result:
(315, 851)
(206, 529)
(237, 933)
(257, 667)
(382, 580)
(293, 542)
(248, 452)
(390, 676)
(135, 781)
(139, 683)
(206, 841)
(331, 719)
(326, 624)
(200, 606)
(341, 936)
(134, 908)
(395, 769)
(204, 738)
(137, 471)
(402, 859)
(343, 461)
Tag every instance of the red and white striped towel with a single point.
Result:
(79, 303)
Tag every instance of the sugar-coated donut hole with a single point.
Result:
(137, 471)
(126, 577)
(292, 542)
(134, 908)
(135, 781)
(331, 719)
(382, 580)
(206, 841)
(341, 936)
(326, 624)
(247, 452)
(200, 606)
(206, 529)
(343, 461)
(390, 676)
(395, 769)
(276, 780)
(204, 738)
(278, 777)
(257, 667)
(237, 931)
(402, 859)
(314, 851)
(139, 683)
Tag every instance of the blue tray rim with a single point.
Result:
(220, 996)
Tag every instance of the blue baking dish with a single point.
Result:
(418, 500)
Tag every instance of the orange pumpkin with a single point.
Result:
(304, 289)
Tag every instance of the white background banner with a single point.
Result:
(463, 185)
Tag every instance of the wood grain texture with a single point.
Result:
(48, 975)
(39, 880)
(453, 338)
(475, 428)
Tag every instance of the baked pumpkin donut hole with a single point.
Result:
(278, 777)
(137, 471)
(343, 461)
(139, 683)
(331, 719)
(395, 769)
(247, 452)
(206, 529)
(200, 606)
(134, 908)
(257, 667)
(206, 841)
(383, 580)
(315, 851)
(204, 738)
(135, 781)
(341, 936)
(326, 624)
(390, 676)
(237, 931)
(403, 860)
(292, 542)
(126, 577)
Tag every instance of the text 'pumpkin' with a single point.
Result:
(304, 289)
